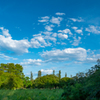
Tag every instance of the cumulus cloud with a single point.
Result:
(31, 62)
(65, 31)
(16, 46)
(5, 32)
(47, 71)
(76, 41)
(54, 34)
(93, 29)
(65, 55)
(77, 30)
(39, 41)
(62, 36)
(49, 28)
(56, 20)
(58, 13)
(44, 19)
(7, 57)
(77, 20)
(42, 40)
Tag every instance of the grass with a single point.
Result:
(31, 94)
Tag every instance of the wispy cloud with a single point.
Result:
(31, 62)
(44, 19)
(58, 13)
(76, 41)
(7, 57)
(47, 71)
(65, 31)
(93, 29)
(77, 30)
(77, 19)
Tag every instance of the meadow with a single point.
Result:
(31, 94)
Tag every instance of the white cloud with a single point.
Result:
(47, 71)
(56, 20)
(44, 19)
(76, 41)
(93, 29)
(58, 13)
(7, 57)
(77, 30)
(15, 46)
(65, 31)
(77, 20)
(62, 36)
(74, 28)
(65, 55)
(54, 34)
(42, 40)
(50, 38)
(49, 28)
(31, 62)
(5, 32)
(39, 41)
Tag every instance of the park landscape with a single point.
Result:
(15, 86)
(49, 49)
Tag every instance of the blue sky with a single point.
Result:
(50, 35)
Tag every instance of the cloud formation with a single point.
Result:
(7, 57)
(31, 62)
(93, 29)
(16, 46)
(56, 20)
(77, 20)
(46, 71)
(76, 41)
(65, 55)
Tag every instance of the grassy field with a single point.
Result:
(31, 94)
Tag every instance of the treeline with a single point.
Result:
(86, 86)
(12, 77)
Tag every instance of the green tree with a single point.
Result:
(31, 76)
(65, 74)
(59, 75)
(53, 72)
(39, 73)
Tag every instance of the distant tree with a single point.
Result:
(65, 74)
(31, 76)
(39, 73)
(53, 72)
(59, 75)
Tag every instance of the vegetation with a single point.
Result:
(83, 86)
(31, 94)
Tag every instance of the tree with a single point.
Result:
(59, 75)
(31, 76)
(65, 74)
(53, 72)
(39, 73)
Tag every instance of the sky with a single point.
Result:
(50, 35)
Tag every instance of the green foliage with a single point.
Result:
(27, 83)
(48, 81)
(64, 82)
(86, 86)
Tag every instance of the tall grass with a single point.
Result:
(31, 94)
